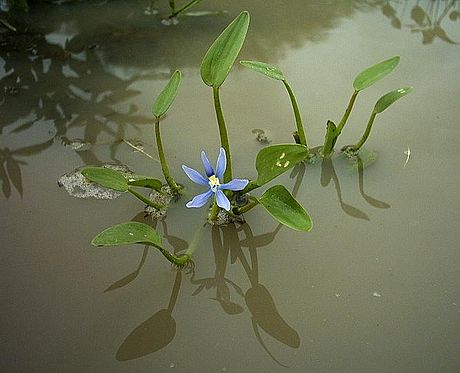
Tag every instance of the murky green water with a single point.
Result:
(374, 287)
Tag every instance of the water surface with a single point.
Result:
(373, 287)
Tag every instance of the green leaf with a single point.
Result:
(264, 68)
(222, 54)
(167, 95)
(374, 73)
(106, 177)
(126, 234)
(144, 181)
(273, 161)
(283, 207)
(386, 100)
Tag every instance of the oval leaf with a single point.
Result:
(144, 181)
(167, 95)
(386, 100)
(106, 177)
(374, 73)
(283, 207)
(222, 54)
(275, 160)
(126, 234)
(264, 68)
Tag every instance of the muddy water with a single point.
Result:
(373, 287)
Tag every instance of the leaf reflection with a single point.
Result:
(426, 17)
(327, 174)
(10, 167)
(154, 333)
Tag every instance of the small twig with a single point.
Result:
(138, 149)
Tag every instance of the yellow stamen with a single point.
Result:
(213, 181)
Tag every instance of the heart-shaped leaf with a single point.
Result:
(126, 234)
(386, 100)
(167, 95)
(264, 68)
(273, 161)
(144, 181)
(106, 177)
(374, 73)
(283, 207)
(223, 52)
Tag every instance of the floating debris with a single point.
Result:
(375, 294)
(77, 145)
(261, 136)
(170, 21)
(80, 187)
(163, 197)
(407, 153)
(224, 218)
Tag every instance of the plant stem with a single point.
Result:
(298, 117)
(164, 164)
(184, 8)
(223, 133)
(194, 242)
(329, 139)
(241, 210)
(366, 133)
(146, 200)
(344, 119)
(214, 211)
(251, 186)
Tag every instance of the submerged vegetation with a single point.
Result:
(231, 198)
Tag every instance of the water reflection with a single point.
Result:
(154, 333)
(77, 69)
(329, 174)
(228, 247)
(10, 166)
(424, 17)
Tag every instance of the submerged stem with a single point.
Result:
(164, 164)
(145, 199)
(172, 5)
(184, 8)
(298, 117)
(223, 133)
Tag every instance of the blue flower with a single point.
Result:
(212, 181)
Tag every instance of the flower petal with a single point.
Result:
(200, 199)
(206, 164)
(235, 184)
(221, 164)
(194, 175)
(222, 200)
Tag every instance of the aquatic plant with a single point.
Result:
(233, 197)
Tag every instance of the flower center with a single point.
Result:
(214, 182)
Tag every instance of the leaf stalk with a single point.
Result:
(223, 133)
(164, 165)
